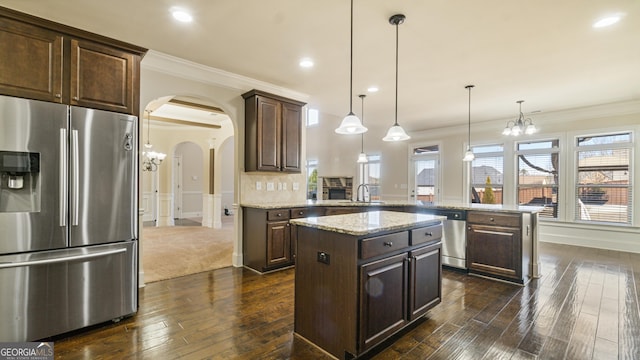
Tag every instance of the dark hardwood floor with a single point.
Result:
(585, 306)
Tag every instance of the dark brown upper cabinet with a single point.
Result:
(43, 60)
(273, 132)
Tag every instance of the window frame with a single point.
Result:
(478, 155)
(571, 199)
(559, 184)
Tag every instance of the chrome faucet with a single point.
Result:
(364, 186)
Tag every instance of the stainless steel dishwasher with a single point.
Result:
(454, 236)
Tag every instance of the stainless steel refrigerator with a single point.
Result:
(68, 218)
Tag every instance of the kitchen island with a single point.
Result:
(362, 277)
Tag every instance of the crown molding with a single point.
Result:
(175, 66)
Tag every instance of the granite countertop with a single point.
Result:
(367, 223)
(443, 205)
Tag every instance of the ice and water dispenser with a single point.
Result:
(19, 175)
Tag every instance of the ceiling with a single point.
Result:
(542, 51)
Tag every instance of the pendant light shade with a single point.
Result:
(362, 158)
(468, 155)
(351, 124)
(396, 132)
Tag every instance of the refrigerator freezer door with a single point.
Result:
(32, 217)
(52, 292)
(103, 177)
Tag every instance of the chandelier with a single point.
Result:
(522, 125)
(152, 158)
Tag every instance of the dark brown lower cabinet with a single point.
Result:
(352, 293)
(279, 250)
(425, 280)
(383, 299)
(494, 245)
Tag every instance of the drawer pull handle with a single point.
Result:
(388, 243)
(428, 234)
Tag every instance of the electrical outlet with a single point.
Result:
(270, 186)
(279, 186)
(296, 186)
(258, 185)
(284, 186)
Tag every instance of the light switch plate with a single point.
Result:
(296, 186)
(284, 186)
(258, 185)
(270, 186)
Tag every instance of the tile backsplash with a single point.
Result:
(273, 188)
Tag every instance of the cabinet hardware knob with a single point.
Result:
(58, 96)
(428, 234)
(301, 212)
(492, 219)
(75, 98)
(388, 243)
(279, 214)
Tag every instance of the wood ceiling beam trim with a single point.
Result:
(184, 122)
(196, 106)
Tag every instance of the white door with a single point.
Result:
(425, 178)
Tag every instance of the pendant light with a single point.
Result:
(468, 156)
(351, 124)
(362, 158)
(152, 158)
(396, 132)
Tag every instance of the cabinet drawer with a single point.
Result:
(383, 244)
(426, 234)
(280, 214)
(305, 212)
(493, 218)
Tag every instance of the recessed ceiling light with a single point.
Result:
(607, 21)
(306, 63)
(372, 89)
(181, 15)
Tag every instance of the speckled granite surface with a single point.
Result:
(308, 203)
(371, 222)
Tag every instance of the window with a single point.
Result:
(312, 117)
(603, 187)
(537, 180)
(487, 174)
(370, 175)
(425, 173)
(312, 179)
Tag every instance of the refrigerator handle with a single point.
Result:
(64, 178)
(75, 178)
(61, 259)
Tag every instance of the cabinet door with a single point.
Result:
(269, 134)
(383, 299)
(494, 250)
(102, 77)
(424, 280)
(30, 61)
(291, 134)
(278, 243)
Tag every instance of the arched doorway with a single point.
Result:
(186, 191)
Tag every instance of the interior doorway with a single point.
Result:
(179, 242)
